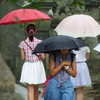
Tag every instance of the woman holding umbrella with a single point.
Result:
(82, 78)
(33, 72)
(62, 65)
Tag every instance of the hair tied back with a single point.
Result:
(31, 31)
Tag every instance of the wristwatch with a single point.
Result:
(66, 67)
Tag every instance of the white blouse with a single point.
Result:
(81, 53)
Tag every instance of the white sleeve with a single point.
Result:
(87, 49)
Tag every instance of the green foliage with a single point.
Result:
(77, 3)
(21, 25)
(36, 5)
(35, 0)
(94, 66)
(12, 1)
(33, 4)
(17, 19)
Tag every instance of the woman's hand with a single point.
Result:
(53, 70)
(65, 63)
(72, 71)
(43, 56)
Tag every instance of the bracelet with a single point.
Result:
(66, 67)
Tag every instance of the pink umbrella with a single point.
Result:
(23, 16)
(78, 25)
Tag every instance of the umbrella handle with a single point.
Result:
(24, 31)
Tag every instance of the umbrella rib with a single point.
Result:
(89, 24)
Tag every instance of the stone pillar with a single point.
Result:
(7, 83)
(92, 10)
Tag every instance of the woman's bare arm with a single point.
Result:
(53, 70)
(87, 56)
(43, 56)
(72, 71)
(22, 54)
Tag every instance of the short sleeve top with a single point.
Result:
(29, 57)
(81, 53)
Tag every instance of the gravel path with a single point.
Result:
(93, 92)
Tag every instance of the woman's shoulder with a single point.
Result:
(85, 47)
(36, 39)
(22, 42)
(72, 55)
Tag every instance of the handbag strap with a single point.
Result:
(27, 45)
(31, 48)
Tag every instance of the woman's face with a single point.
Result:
(64, 51)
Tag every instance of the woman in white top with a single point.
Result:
(82, 78)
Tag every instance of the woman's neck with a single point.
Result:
(64, 56)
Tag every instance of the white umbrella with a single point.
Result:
(97, 48)
(78, 25)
